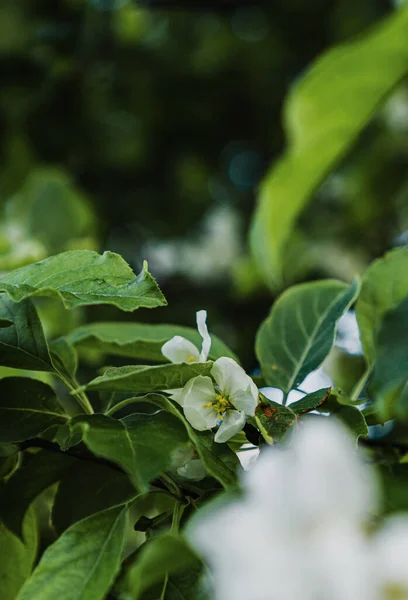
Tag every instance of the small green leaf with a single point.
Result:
(391, 365)
(325, 112)
(17, 557)
(64, 357)
(142, 444)
(157, 558)
(299, 333)
(44, 469)
(22, 344)
(139, 340)
(87, 488)
(274, 419)
(83, 277)
(148, 379)
(311, 401)
(340, 407)
(384, 286)
(27, 408)
(83, 563)
(219, 460)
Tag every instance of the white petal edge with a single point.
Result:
(232, 424)
(179, 350)
(197, 392)
(201, 317)
(232, 379)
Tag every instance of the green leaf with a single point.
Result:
(139, 340)
(83, 277)
(27, 408)
(17, 557)
(142, 444)
(22, 344)
(219, 460)
(162, 555)
(83, 563)
(44, 469)
(324, 114)
(148, 379)
(340, 408)
(311, 401)
(299, 332)
(274, 419)
(183, 584)
(87, 488)
(384, 286)
(391, 365)
(64, 357)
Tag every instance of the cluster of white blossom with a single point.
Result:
(222, 401)
(303, 529)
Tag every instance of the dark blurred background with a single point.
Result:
(145, 127)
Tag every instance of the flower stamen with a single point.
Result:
(221, 404)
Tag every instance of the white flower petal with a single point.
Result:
(178, 350)
(233, 423)
(197, 392)
(203, 331)
(177, 395)
(244, 401)
(390, 554)
(233, 380)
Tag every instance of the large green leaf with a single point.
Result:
(157, 558)
(44, 469)
(27, 408)
(299, 333)
(148, 379)
(142, 444)
(83, 562)
(391, 365)
(22, 344)
(139, 340)
(17, 557)
(384, 286)
(83, 277)
(87, 488)
(324, 114)
(219, 460)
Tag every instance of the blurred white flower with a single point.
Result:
(226, 404)
(207, 256)
(300, 529)
(178, 349)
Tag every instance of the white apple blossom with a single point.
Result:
(225, 403)
(179, 349)
(300, 530)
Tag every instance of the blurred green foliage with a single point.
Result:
(146, 131)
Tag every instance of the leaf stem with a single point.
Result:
(80, 397)
(360, 384)
(120, 405)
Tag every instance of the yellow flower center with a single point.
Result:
(220, 404)
(191, 359)
(395, 592)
